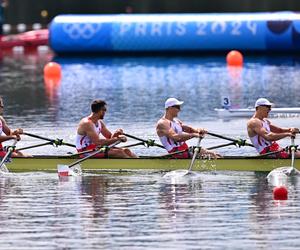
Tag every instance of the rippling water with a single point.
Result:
(146, 211)
(143, 210)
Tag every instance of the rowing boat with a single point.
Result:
(248, 112)
(232, 163)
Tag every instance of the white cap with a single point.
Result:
(172, 102)
(262, 102)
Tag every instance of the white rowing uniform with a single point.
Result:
(170, 144)
(258, 141)
(83, 141)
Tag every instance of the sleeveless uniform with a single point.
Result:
(173, 146)
(83, 143)
(263, 146)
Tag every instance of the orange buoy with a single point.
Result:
(52, 70)
(280, 193)
(234, 58)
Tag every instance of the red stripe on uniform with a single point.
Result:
(81, 140)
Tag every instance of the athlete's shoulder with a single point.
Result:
(253, 121)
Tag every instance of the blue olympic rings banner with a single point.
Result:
(176, 32)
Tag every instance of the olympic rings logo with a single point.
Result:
(81, 30)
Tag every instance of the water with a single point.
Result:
(143, 210)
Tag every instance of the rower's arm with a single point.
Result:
(283, 130)
(105, 132)
(4, 138)
(7, 131)
(163, 129)
(91, 133)
(257, 127)
(5, 128)
(190, 129)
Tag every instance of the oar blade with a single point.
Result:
(277, 178)
(4, 169)
(65, 170)
(176, 174)
(289, 170)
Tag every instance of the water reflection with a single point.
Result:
(144, 210)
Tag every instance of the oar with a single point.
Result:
(134, 144)
(222, 145)
(64, 170)
(181, 173)
(196, 151)
(56, 142)
(86, 152)
(34, 146)
(239, 142)
(292, 170)
(278, 176)
(8, 153)
(147, 142)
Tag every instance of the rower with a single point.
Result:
(90, 129)
(263, 134)
(7, 134)
(173, 134)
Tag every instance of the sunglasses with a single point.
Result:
(267, 106)
(176, 106)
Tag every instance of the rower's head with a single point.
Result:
(263, 105)
(173, 105)
(99, 107)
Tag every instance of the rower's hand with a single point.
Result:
(122, 138)
(118, 132)
(294, 130)
(196, 135)
(16, 137)
(201, 131)
(17, 131)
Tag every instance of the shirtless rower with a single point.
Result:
(173, 134)
(263, 134)
(91, 127)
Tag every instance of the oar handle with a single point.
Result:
(149, 142)
(239, 142)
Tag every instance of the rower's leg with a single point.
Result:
(117, 153)
(297, 154)
(130, 153)
(20, 154)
